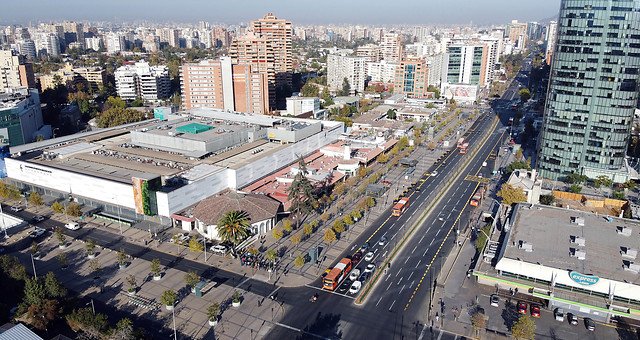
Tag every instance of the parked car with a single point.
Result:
(535, 310)
(591, 326)
(37, 232)
(38, 218)
(364, 277)
(354, 274)
(559, 314)
(219, 249)
(572, 319)
(494, 300)
(370, 268)
(72, 226)
(184, 238)
(369, 256)
(383, 241)
(16, 208)
(355, 287)
(522, 307)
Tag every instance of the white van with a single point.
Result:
(72, 226)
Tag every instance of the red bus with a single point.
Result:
(400, 207)
(337, 274)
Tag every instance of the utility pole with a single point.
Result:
(35, 275)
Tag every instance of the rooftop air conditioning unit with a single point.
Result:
(578, 240)
(629, 253)
(630, 266)
(625, 231)
(528, 247)
(579, 221)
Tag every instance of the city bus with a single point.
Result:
(337, 274)
(400, 207)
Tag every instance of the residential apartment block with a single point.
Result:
(140, 80)
(341, 66)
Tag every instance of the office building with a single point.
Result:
(466, 64)
(93, 43)
(219, 84)
(47, 44)
(391, 47)
(552, 30)
(14, 71)
(341, 66)
(21, 117)
(412, 76)
(140, 80)
(593, 90)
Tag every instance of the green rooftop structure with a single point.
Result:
(194, 128)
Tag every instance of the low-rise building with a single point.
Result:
(306, 107)
(582, 262)
(528, 182)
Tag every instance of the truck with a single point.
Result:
(400, 207)
(463, 148)
(477, 197)
(460, 142)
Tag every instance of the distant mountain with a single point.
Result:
(545, 21)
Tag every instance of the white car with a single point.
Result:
(16, 208)
(72, 226)
(355, 287)
(559, 314)
(354, 274)
(435, 173)
(369, 256)
(220, 249)
(370, 268)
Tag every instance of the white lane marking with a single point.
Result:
(414, 249)
(398, 273)
(393, 303)
(410, 276)
(379, 301)
(401, 289)
(389, 286)
(421, 238)
(407, 260)
(431, 242)
(425, 251)
(400, 280)
(418, 263)
(411, 286)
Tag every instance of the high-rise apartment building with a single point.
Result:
(412, 78)
(219, 84)
(391, 47)
(518, 34)
(14, 71)
(143, 81)
(115, 43)
(27, 48)
(383, 72)
(91, 77)
(593, 90)
(371, 52)
(21, 117)
(267, 47)
(550, 38)
(73, 32)
(340, 67)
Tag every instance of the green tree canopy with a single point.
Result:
(524, 328)
(310, 90)
(117, 116)
(511, 194)
(525, 94)
(391, 114)
(301, 192)
(346, 87)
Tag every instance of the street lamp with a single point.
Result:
(35, 275)
(4, 223)
(173, 312)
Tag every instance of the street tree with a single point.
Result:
(271, 255)
(346, 87)
(524, 328)
(329, 236)
(57, 207)
(391, 114)
(310, 90)
(73, 209)
(525, 94)
(53, 288)
(301, 192)
(195, 245)
(575, 188)
(124, 330)
(299, 261)
(35, 199)
(511, 194)
(287, 225)
(233, 227)
(277, 233)
(296, 238)
(478, 321)
(601, 181)
(191, 279)
(338, 226)
(307, 230)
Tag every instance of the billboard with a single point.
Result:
(461, 92)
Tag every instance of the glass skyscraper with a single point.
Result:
(593, 89)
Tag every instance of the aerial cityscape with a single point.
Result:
(293, 170)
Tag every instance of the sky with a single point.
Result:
(414, 12)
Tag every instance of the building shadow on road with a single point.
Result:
(325, 325)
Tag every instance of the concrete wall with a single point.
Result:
(66, 181)
(187, 195)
